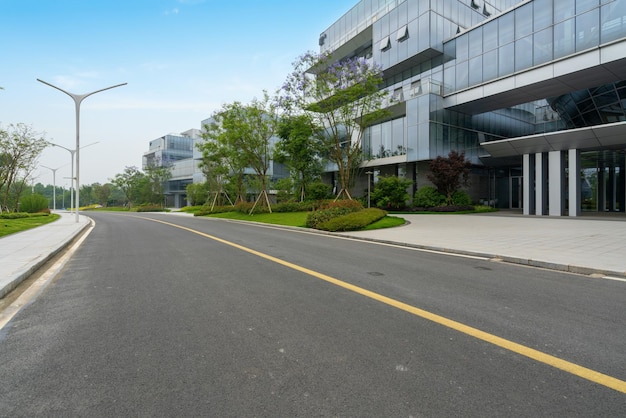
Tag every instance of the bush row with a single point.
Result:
(246, 207)
(149, 208)
(21, 215)
(330, 210)
(353, 221)
(429, 197)
(449, 208)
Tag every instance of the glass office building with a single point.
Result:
(176, 151)
(534, 93)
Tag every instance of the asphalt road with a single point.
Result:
(227, 319)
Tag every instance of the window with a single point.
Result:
(403, 33)
(385, 44)
(397, 95)
(476, 4)
(416, 88)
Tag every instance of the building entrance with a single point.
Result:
(603, 182)
(517, 192)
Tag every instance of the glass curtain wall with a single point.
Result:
(603, 183)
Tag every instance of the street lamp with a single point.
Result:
(72, 152)
(369, 184)
(54, 185)
(78, 98)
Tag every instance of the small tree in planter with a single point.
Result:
(449, 174)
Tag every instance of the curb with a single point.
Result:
(29, 269)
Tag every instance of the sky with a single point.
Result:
(182, 60)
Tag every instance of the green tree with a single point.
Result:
(101, 193)
(157, 176)
(391, 192)
(197, 193)
(130, 183)
(344, 98)
(249, 130)
(223, 163)
(449, 174)
(20, 147)
(300, 150)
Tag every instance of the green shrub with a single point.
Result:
(428, 197)
(293, 207)
(353, 221)
(314, 219)
(191, 209)
(33, 203)
(343, 203)
(318, 191)
(391, 192)
(149, 208)
(461, 198)
(206, 210)
(452, 208)
(14, 215)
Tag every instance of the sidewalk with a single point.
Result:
(587, 245)
(581, 245)
(23, 253)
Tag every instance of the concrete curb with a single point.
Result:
(29, 268)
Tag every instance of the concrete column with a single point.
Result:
(573, 162)
(555, 185)
(541, 182)
(528, 171)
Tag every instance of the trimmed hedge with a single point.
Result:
(22, 215)
(353, 221)
(14, 215)
(306, 206)
(332, 209)
(150, 208)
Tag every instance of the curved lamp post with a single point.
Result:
(72, 152)
(78, 98)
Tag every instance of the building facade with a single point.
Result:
(534, 93)
(177, 151)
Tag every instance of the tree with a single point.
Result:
(197, 193)
(101, 193)
(157, 176)
(300, 150)
(223, 162)
(449, 174)
(20, 147)
(248, 130)
(130, 183)
(344, 98)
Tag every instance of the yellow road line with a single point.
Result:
(575, 369)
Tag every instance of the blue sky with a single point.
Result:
(182, 59)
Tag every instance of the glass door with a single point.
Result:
(517, 192)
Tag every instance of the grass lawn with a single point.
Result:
(298, 219)
(386, 222)
(11, 226)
